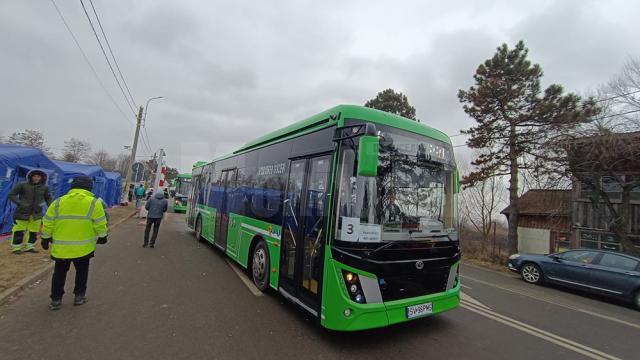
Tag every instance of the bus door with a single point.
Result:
(303, 231)
(227, 183)
(192, 199)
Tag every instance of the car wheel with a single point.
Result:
(636, 299)
(260, 266)
(531, 273)
(199, 228)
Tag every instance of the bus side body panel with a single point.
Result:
(244, 231)
(208, 217)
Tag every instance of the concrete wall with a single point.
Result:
(533, 241)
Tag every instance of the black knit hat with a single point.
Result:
(82, 182)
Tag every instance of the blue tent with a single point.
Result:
(114, 188)
(15, 162)
(71, 170)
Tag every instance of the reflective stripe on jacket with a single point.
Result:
(74, 221)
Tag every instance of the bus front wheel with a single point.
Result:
(260, 266)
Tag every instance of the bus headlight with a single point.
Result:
(350, 277)
(353, 286)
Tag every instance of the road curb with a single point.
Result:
(26, 281)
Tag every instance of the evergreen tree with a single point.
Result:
(393, 102)
(514, 119)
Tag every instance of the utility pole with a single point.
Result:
(156, 181)
(132, 160)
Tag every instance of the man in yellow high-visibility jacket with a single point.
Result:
(73, 224)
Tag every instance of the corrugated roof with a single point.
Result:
(544, 202)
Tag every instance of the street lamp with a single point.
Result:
(147, 105)
(134, 148)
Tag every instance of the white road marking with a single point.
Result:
(637, 326)
(556, 302)
(469, 299)
(250, 285)
(465, 286)
(539, 333)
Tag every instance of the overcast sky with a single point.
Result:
(233, 70)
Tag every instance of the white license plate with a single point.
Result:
(419, 310)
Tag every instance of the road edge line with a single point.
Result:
(252, 288)
(540, 333)
(30, 279)
(556, 303)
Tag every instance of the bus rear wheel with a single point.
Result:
(199, 228)
(260, 266)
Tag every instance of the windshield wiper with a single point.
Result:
(387, 245)
(427, 237)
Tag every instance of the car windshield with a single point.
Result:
(411, 198)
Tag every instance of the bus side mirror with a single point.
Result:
(368, 151)
(456, 182)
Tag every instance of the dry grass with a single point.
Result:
(494, 257)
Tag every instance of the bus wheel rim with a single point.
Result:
(259, 265)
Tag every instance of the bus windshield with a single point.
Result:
(411, 198)
(183, 187)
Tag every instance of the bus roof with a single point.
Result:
(337, 116)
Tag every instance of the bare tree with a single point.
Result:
(33, 138)
(76, 150)
(609, 165)
(103, 159)
(621, 98)
(480, 203)
(536, 177)
(122, 163)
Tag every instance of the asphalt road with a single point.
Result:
(182, 300)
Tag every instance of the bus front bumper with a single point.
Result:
(342, 314)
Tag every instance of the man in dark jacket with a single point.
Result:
(29, 197)
(156, 208)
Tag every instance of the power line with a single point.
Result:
(111, 52)
(145, 144)
(86, 59)
(146, 135)
(618, 114)
(618, 96)
(106, 57)
(143, 147)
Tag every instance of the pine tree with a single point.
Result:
(393, 102)
(514, 119)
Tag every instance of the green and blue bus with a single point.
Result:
(182, 185)
(350, 214)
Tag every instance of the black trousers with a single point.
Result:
(156, 227)
(60, 276)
